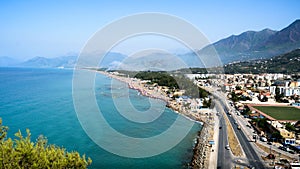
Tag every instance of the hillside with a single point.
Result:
(42, 62)
(252, 45)
(111, 60)
(286, 63)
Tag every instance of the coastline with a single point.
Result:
(137, 84)
(200, 151)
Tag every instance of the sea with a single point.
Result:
(41, 100)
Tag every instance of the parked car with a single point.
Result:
(284, 148)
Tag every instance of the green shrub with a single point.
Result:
(23, 153)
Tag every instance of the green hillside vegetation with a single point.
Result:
(23, 153)
(161, 78)
(173, 81)
(286, 63)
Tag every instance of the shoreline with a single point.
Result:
(136, 84)
(199, 151)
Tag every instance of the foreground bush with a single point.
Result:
(23, 153)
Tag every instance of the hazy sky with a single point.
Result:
(55, 28)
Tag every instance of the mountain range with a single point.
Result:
(249, 45)
(288, 63)
(42, 62)
(110, 60)
(262, 44)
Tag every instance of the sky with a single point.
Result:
(61, 28)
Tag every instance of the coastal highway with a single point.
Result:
(224, 156)
(251, 155)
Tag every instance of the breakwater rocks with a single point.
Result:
(200, 150)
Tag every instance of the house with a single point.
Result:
(229, 87)
(178, 93)
(288, 136)
(296, 104)
(286, 88)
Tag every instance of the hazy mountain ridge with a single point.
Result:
(42, 62)
(249, 45)
(109, 60)
(252, 45)
(285, 63)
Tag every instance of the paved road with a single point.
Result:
(249, 133)
(250, 150)
(224, 156)
(252, 157)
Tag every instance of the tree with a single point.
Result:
(238, 88)
(276, 135)
(278, 96)
(202, 93)
(23, 153)
(205, 103)
(234, 97)
(262, 123)
(246, 111)
(290, 127)
(3, 131)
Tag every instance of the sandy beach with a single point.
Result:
(156, 93)
(199, 158)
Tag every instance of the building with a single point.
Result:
(286, 89)
(288, 136)
(296, 104)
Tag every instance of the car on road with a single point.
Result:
(220, 127)
(248, 125)
(264, 139)
(227, 147)
(239, 127)
(284, 148)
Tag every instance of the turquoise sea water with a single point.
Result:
(41, 100)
